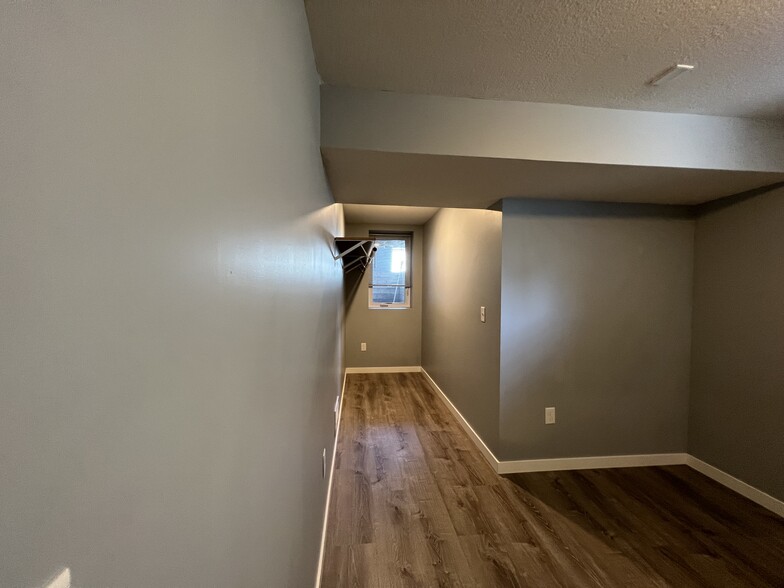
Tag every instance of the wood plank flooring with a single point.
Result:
(415, 504)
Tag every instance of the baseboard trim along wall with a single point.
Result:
(322, 548)
(607, 461)
(484, 449)
(590, 463)
(396, 369)
(739, 486)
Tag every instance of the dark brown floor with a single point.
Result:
(415, 504)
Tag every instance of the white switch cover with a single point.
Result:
(324, 463)
(482, 314)
(549, 415)
(363, 346)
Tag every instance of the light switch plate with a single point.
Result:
(482, 314)
(549, 415)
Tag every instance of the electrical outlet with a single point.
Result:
(324, 462)
(482, 314)
(549, 415)
(363, 346)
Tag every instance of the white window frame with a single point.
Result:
(406, 304)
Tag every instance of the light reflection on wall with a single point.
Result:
(274, 254)
(531, 326)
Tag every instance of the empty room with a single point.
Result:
(350, 293)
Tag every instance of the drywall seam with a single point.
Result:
(320, 568)
(739, 486)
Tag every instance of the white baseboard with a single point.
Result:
(607, 461)
(484, 449)
(590, 463)
(739, 486)
(396, 369)
(320, 568)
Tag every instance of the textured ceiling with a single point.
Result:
(375, 177)
(388, 215)
(593, 53)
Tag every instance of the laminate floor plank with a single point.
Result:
(646, 535)
(580, 529)
(565, 544)
(743, 559)
(489, 562)
(467, 515)
(414, 503)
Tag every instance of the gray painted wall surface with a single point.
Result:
(462, 273)
(169, 315)
(407, 123)
(737, 398)
(393, 336)
(595, 322)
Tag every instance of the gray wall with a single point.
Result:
(169, 308)
(737, 398)
(596, 322)
(393, 336)
(373, 120)
(462, 273)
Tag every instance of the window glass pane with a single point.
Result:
(389, 294)
(389, 265)
(399, 261)
(390, 271)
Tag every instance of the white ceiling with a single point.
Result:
(387, 215)
(593, 53)
(377, 177)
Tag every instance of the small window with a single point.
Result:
(390, 281)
